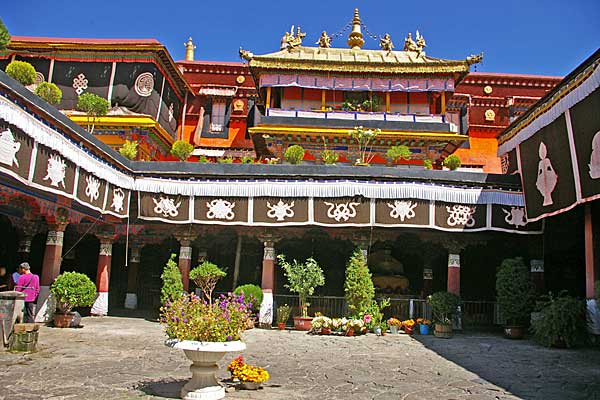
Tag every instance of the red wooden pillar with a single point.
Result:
(185, 262)
(590, 272)
(100, 306)
(132, 277)
(265, 318)
(50, 269)
(454, 273)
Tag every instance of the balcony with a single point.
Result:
(350, 119)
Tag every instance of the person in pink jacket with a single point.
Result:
(30, 285)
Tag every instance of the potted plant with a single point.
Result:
(206, 276)
(395, 325)
(21, 71)
(294, 154)
(423, 326)
(373, 316)
(49, 92)
(515, 296)
(562, 322)
(253, 296)
(302, 278)
(359, 290)
(283, 314)
(70, 290)
(408, 326)
(443, 305)
(205, 331)
(355, 327)
(452, 162)
(321, 324)
(172, 287)
(363, 137)
(427, 164)
(94, 106)
(250, 376)
(182, 149)
(397, 153)
(329, 157)
(129, 149)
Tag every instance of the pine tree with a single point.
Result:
(358, 288)
(172, 287)
(4, 36)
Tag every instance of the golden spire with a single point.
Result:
(189, 50)
(355, 39)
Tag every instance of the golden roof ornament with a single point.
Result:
(289, 41)
(355, 39)
(324, 41)
(386, 43)
(189, 50)
(416, 47)
(475, 58)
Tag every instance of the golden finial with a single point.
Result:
(355, 39)
(189, 50)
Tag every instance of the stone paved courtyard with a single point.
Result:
(124, 358)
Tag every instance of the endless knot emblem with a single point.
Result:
(144, 84)
(220, 209)
(280, 210)
(341, 211)
(117, 203)
(166, 206)
(92, 189)
(80, 84)
(171, 112)
(461, 215)
(402, 209)
(56, 171)
(515, 217)
(9, 148)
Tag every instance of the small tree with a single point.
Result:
(206, 276)
(515, 292)
(302, 278)
(397, 153)
(49, 92)
(452, 162)
(427, 164)
(94, 106)
(172, 287)
(182, 149)
(294, 154)
(329, 157)
(129, 149)
(4, 36)
(73, 289)
(363, 138)
(21, 71)
(443, 305)
(358, 287)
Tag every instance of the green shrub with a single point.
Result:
(21, 71)
(359, 290)
(427, 164)
(206, 276)
(443, 305)
(294, 154)
(94, 106)
(182, 149)
(129, 149)
(562, 321)
(225, 160)
(302, 278)
(396, 153)
(172, 288)
(515, 292)
(247, 160)
(252, 294)
(329, 157)
(452, 162)
(4, 36)
(375, 311)
(49, 92)
(203, 159)
(72, 289)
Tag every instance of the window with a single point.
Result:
(217, 117)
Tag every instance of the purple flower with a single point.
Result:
(229, 338)
(183, 313)
(185, 320)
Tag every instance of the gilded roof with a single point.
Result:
(356, 60)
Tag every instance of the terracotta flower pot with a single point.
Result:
(514, 332)
(302, 323)
(350, 332)
(409, 331)
(325, 331)
(281, 326)
(62, 320)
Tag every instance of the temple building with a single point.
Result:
(312, 96)
(144, 87)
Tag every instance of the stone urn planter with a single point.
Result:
(204, 357)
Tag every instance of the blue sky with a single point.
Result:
(528, 37)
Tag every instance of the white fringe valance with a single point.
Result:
(371, 190)
(574, 97)
(56, 141)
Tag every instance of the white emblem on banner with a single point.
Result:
(461, 215)
(515, 217)
(9, 148)
(341, 211)
(144, 84)
(595, 157)
(280, 210)
(166, 206)
(56, 171)
(546, 176)
(220, 209)
(118, 199)
(92, 190)
(80, 84)
(505, 162)
(171, 111)
(402, 209)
